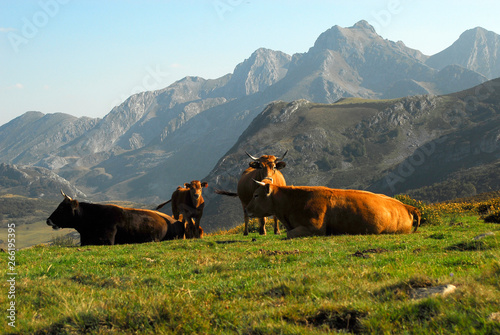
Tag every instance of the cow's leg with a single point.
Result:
(185, 232)
(85, 240)
(262, 228)
(197, 227)
(300, 231)
(108, 237)
(190, 233)
(245, 231)
(276, 226)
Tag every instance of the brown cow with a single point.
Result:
(109, 224)
(188, 202)
(315, 210)
(177, 230)
(264, 168)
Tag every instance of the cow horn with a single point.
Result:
(282, 157)
(252, 157)
(259, 182)
(64, 195)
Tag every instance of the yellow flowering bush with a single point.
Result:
(430, 215)
(481, 207)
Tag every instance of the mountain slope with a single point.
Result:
(34, 137)
(34, 182)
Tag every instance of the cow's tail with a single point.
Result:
(222, 192)
(416, 215)
(163, 204)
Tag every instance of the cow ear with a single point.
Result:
(75, 207)
(204, 184)
(280, 165)
(255, 165)
(268, 189)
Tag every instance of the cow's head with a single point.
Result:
(267, 165)
(65, 214)
(195, 188)
(261, 204)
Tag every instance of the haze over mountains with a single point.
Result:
(153, 142)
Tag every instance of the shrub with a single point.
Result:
(493, 217)
(429, 214)
(355, 149)
(64, 241)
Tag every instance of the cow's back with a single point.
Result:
(360, 212)
(138, 225)
(326, 211)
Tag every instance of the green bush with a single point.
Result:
(64, 241)
(355, 149)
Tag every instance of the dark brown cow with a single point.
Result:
(109, 224)
(188, 202)
(264, 168)
(309, 210)
(177, 230)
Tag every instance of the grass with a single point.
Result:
(234, 284)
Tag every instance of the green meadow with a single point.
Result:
(227, 283)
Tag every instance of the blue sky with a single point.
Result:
(82, 57)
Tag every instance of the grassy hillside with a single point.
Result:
(228, 283)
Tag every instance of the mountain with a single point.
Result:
(34, 182)
(154, 141)
(407, 145)
(476, 49)
(34, 138)
(263, 69)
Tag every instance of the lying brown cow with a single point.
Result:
(309, 210)
(177, 230)
(109, 224)
(188, 202)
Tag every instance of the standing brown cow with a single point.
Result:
(316, 210)
(264, 168)
(188, 202)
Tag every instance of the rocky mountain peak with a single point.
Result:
(264, 68)
(476, 49)
(341, 39)
(364, 25)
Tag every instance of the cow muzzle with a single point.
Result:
(249, 213)
(52, 224)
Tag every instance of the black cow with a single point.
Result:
(109, 224)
